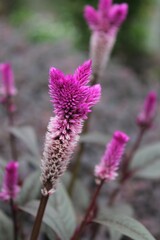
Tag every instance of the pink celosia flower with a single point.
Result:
(104, 24)
(107, 16)
(7, 80)
(146, 116)
(72, 100)
(10, 186)
(107, 168)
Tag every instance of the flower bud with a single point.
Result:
(10, 187)
(107, 168)
(147, 114)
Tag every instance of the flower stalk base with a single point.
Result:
(89, 211)
(38, 220)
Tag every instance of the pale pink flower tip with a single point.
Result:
(107, 168)
(7, 86)
(72, 100)
(146, 116)
(106, 17)
(10, 186)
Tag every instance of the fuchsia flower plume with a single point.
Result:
(104, 24)
(146, 116)
(10, 187)
(107, 16)
(7, 80)
(72, 100)
(107, 168)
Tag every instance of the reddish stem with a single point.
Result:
(39, 217)
(89, 211)
(10, 115)
(14, 217)
(134, 148)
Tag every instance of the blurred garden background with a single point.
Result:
(35, 35)
(51, 21)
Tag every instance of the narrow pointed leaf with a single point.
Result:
(125, 225)
(120, 208)
(150, 171)
(82, 202)
(6, 227)
(30, 189)
(51, 218)
(146, 154)
(27, 135)
(50, 233)
(115, 235)
(64, 208)
(147, 161)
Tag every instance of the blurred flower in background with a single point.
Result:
(104, 24)
(10, 187)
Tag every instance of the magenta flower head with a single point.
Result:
(104, 24)
(72, 100)
(10, 187)
(107, 168)
(146, 116)
(7, 80)
(107, 16)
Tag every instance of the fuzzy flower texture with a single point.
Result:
(72, 100)
(146, 116)
(107, 16)
(107, 168)
(104, 24)
(7, 86)
(10, 186)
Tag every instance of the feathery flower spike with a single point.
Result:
(7, 86)
(72, 100)
(7, 80)
(146, 116)
(10, 187)
(107, 168)
(104, 24)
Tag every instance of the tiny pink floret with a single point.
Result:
(146, 116)
(107, 168)
(10, 187)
